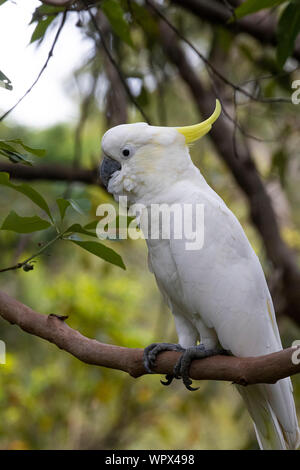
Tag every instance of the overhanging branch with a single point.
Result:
(259, 26)
(51, 172)
(216, 12)
(243, 371)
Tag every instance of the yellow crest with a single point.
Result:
(193, 133)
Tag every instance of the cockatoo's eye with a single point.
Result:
(126, 152)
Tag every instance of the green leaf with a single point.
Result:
(80, 205)
(102, 252)
(287, 31)
(77, 228)
(91, 225)
(28, 191)
(15, 157)
(41, 28)
(45, 10)
(63, 205)
(10, 151)
(115, 15)
(5, 81)
(252, 6)
(2, 1)
(142, 17)
(16, 223)
(34, 151)
(5, 146)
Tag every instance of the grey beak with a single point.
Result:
(107, 168)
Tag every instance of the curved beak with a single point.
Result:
(107, 169)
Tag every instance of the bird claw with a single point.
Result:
(169, 379)
(182, 367)
(151, 352)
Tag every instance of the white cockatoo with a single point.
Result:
(217, 293)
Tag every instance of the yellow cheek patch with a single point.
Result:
(193, 133)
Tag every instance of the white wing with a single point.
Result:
(224, 284)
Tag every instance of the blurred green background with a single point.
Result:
(48, 398)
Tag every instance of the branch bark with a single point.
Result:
(51, 172)
(243, 371)
(259, 26)
(116, 97)
(58, 3)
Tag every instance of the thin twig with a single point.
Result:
(43, 68)
(114, 63)
(211, 66)
(35, 255)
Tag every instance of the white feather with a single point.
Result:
(218, 293)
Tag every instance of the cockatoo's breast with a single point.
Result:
(222, 283)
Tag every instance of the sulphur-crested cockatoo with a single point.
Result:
(217, 291)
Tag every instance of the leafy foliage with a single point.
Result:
(63, 205)
(252, 6)
(27, 191)
(288, 30)
(101, 251)
(116, 16)
(16, 223)
(11, 149)
(19, 224)
(288, 25)
(43, 17)
(41, 28)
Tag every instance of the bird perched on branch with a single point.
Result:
(212, 280)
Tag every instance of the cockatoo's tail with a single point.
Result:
(193, 133)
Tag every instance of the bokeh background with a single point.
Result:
(49, 399)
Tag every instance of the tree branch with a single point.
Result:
(243, 371)
(264, 30)
(58, 3)
(114, 63)
(51, 172)
(211, 69)
(116, 96)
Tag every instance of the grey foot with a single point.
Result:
(181, 369)
(151, 352)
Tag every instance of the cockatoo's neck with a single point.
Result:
(151, 180)
(167, 190)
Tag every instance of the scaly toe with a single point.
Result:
(151, 352)
(177, 368)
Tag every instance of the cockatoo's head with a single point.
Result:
(142, 160)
